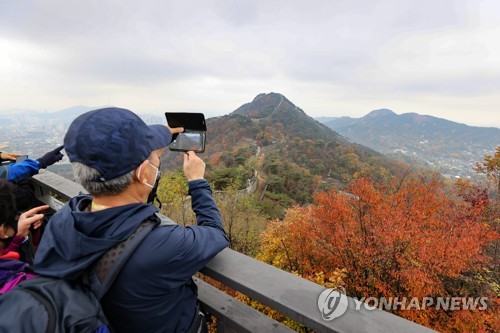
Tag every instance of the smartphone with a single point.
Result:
(21, 158)
(195, 131)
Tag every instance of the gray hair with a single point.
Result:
(87, 176)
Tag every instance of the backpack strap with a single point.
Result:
(164, 220)
(51, 313)
(111, 263)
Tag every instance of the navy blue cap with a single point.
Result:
(113, 141)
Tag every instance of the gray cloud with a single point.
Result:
(353, 48)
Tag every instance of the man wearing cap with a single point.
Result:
(116, 157)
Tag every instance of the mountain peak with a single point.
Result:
(271, 95)
(275, 110)
(264, 105)
(380, 113)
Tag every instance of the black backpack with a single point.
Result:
(52, 305)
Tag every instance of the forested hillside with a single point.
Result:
(408, 236)
(449, 147)
(285, 153)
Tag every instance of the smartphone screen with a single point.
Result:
(21, 158)
(194, 136)
(189, 141)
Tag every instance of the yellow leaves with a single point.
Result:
(332, 280)
(271, 313)
(273, 245)
(172, 188)
(242, 220)
(490, 167)
(172, 193)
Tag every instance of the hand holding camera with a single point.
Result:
(193, 137)
(194, 167)
(9, 156)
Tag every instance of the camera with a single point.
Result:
(195, 130)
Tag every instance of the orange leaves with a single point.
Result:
(214, 159)
(406, 238)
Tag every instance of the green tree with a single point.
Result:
(241, 214)
(223, 178)
(172, 193)
(242, 219)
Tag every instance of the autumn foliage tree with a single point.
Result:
(490, 167)
(405, 239)
(172, 192)
(241, 215)
(242, 220)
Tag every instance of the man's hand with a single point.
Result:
(51, 157)
(9, 156)
(28, 219)
(194, 167)
(176, 130)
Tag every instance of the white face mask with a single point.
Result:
(156, 176)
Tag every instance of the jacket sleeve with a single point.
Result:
(203, 204)
(14, 245)
(197, 245)
(3, 172)
(19, 171)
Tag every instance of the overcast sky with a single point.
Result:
(329, 57)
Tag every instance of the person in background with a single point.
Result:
(4, 156)
(15, 231)
(18, 174)
(116, 158)
(23, 189)
(15, 172)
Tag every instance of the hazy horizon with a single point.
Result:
(212, 114)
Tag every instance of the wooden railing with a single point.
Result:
(286, 293)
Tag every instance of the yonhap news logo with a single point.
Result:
(332, 303)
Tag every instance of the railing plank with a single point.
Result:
(296, 297)
(59, 185)
(240, 317)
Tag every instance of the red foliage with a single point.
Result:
(214, 159)
(406, 239)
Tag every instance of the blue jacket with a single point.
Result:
(14, 172)
(154, 291)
